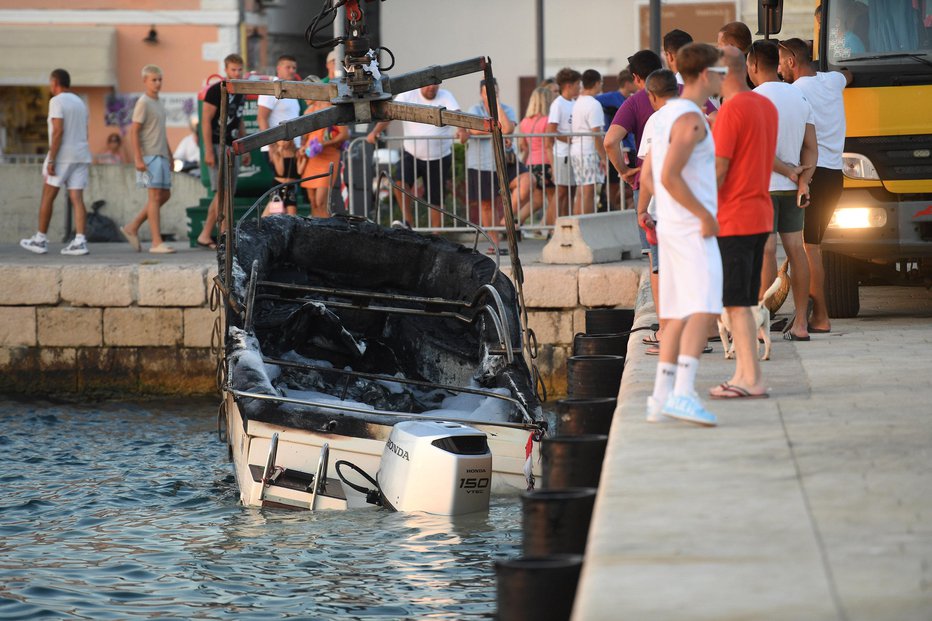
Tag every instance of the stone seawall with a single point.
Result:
(115, 323)
(106, 329)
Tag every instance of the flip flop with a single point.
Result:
(792, 319)
(162, 248)
(132, 240)
(735, 392)
(653, 350)
(210, 246)
(707, 349)
(650, 340)
(819, 330)
(779, 325)
(789, 336)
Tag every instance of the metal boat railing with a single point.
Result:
(240, 394)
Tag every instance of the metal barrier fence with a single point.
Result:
(464, 183)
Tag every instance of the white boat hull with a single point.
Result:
(300, 450)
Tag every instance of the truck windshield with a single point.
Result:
(879, 34)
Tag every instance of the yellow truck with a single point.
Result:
(884, 216)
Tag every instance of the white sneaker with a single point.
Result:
(34, 245)
(689, 409)
(75, 248)
(401, 224)
(654, 411)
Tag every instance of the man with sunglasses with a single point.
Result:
(680, 171)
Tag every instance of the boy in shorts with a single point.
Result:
(153, 161)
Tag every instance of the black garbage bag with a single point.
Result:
(100, 228)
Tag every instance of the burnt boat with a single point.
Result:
(339, 332)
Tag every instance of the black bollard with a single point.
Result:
(609, 320)
(594, 376)
(572, 461)
(576, 417)
(600, 344)
(541, 588)
(556, 521)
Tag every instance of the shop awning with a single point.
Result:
(29, 53)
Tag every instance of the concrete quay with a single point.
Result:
(120, 322)
(812, 504)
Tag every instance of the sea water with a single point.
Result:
(130, 511)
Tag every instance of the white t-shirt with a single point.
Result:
(825, 92)
(643, 150)
(71, 110)
(586, 116)
(698, 173)
(281, 110)
(561, 113)
(793, 113)
(428, 149)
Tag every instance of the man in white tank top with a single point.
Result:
(680, 171)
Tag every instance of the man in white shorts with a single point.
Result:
(560, 122)
(65, 165)
(680, 172)
(587, 154)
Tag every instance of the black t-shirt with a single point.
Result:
(234, 112)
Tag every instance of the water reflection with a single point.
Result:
(130, 511)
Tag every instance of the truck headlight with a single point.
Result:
(857, 166)
(858, 218)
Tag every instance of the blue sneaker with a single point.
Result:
(689, 409)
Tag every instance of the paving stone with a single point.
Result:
(170, 285)
(552, 327)
(17, 326)
(98, 285)
(29, 285)
(140, 327)
(65, 326)
(198, 326)
(608, 285)
(551, 286)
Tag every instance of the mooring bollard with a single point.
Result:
(609, 320)
(594, 376)
(572, 461)
(541, 588)
(600, 344)
(556, 521)
(581, 416)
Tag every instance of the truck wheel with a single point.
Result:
(841, 285)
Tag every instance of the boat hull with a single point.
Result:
(300, 449)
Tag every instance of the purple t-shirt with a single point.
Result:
(633, 115)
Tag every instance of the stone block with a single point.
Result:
(172, 285)
(98, 285)
(198, 326)
(177, 371)
(65, 326)
(141, 327)
(58, 371)
(108, 371)
(593, 238)
(551, 362)
(551, 286)
(17, 326)
(610, 284)
(552, 327)
(22, 285)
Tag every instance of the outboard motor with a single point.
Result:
(438, 467)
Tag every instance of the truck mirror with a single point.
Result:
(769, 17)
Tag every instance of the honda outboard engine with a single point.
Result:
(437, 467)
